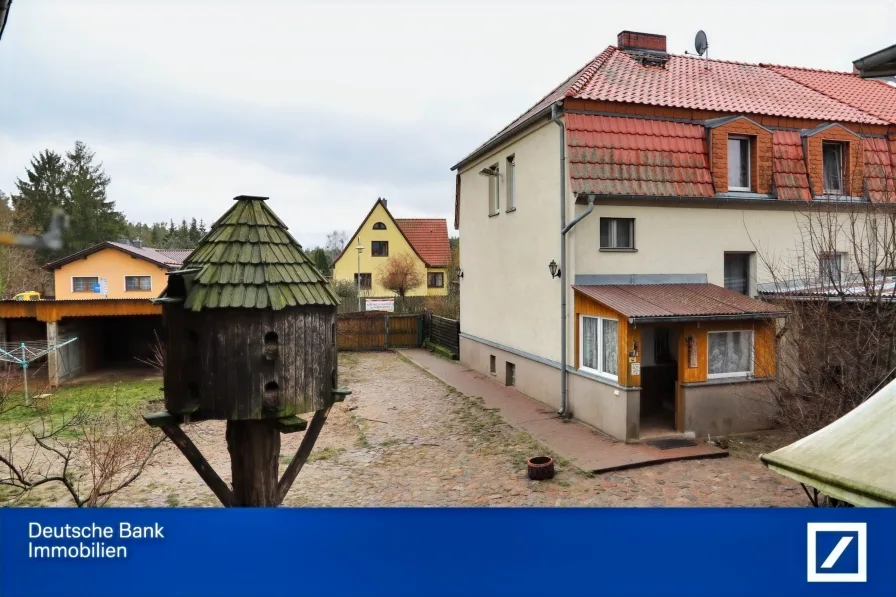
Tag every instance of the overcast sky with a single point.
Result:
(325, 106)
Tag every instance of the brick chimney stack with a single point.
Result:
(632, 40)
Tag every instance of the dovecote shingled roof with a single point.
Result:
(249, 260)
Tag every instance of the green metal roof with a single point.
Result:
(248, 260)
(852, 459)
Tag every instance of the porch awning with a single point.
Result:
(649, 303)
(852, 458)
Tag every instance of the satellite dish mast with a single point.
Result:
(701, 45)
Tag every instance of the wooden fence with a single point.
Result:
(377, 330)
(444, 332)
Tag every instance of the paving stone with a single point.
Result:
(442, 449)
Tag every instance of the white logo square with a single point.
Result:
(817, 573)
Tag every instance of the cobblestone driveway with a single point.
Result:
(405, 439)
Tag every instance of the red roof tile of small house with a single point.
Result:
(872, 97)
(658, 301)
(619, 156)
(429, 237)
(789, 166)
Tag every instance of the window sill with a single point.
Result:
(595, 372)
(494, 214)
(614, 250)
(511, 210)
(721, 381)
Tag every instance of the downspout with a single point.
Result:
(564, 228)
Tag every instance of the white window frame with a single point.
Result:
(138, 283)
(86, 277)
(841, 148)
(600, 346)
(511, 183)
(748, 141)
(614, 224)
(494, 191)
(740, 374)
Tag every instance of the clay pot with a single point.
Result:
(541, 468)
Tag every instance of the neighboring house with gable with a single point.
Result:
(651, 184)
(103, 298)
(382, 236)
(110, 270)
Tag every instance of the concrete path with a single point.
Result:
(583, 446)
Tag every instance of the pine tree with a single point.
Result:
(194, 232)
(41, 192)
(202, 229)
(93, 217)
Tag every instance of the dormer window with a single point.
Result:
(832, 162)
(738, 163)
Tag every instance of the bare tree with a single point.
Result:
(93, 456)
(336, 241)
(19, 269)
(400, 274)
(839, 288)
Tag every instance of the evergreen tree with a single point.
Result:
(194, 232)
(202, 229)
(93, 217)
(42, 190)
(321, 260)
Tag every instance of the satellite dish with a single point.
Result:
(700, 43)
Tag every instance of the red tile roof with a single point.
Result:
(612, 155)
(717, 85)
(643, 301)
(789, 166)
(429, 237)
(879, 180)
(720, 86)
(870, 96)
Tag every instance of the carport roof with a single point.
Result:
(667, 302)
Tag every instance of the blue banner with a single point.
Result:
(417, 552)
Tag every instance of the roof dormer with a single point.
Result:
(834, 161)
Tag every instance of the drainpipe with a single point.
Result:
(564, 228)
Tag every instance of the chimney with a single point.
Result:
(137, 243)
(632, 40)
(383, 199)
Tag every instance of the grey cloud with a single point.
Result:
(311, 142)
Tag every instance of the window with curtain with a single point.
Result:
(737, 272)
(599, 345)
(617, 233)
(138, 283)
(738, 164)
(832, 164)
(84, 284)
(730, 354)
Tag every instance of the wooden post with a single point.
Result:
(254, 448)
(387, 332)
(302, 454)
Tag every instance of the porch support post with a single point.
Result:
(53, 355)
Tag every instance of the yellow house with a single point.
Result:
(382, 237)
(113, 270)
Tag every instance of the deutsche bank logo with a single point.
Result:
(837, 552)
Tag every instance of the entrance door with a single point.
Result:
(659, 375)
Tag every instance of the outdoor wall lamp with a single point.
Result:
(555, 270)
(458, 272)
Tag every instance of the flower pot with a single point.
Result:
(541, 468)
